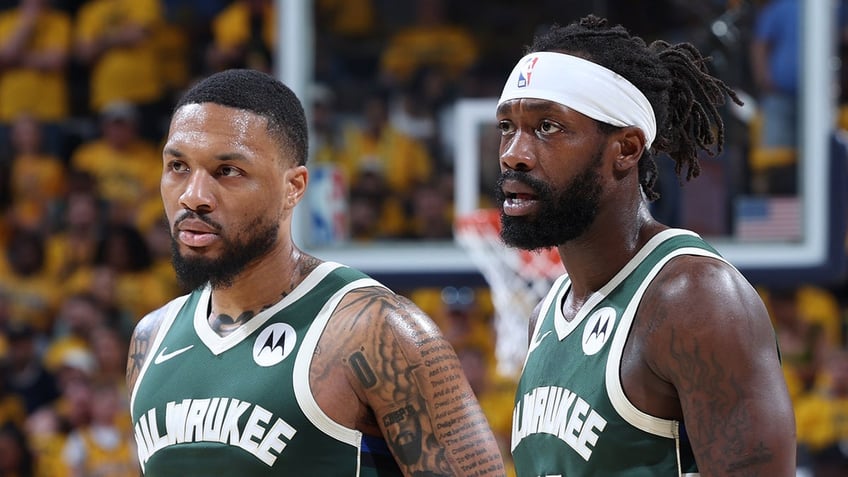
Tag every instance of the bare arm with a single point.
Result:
(411, 388)
(713, 341)
(142, 340)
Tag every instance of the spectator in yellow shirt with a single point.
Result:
(376, 145)
(116, 40)
(80, 226)
(379, 159)
(26, 281)
(243, 36)
(122, 278)
(822, 418)
(35, 43)
(37, 177)
(125, 165)
(431, 42)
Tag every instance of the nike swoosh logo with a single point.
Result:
(163, 356)
(535, 344)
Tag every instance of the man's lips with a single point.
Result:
(518, 190)
(519, 198)
(196, 233)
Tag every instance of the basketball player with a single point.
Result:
(653, 355)
(279, 363)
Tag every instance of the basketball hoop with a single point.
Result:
(518, 280)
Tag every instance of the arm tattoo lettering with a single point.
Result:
(434, 430)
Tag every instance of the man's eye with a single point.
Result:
(504, 127)
(178, 166)
(229, 171)
(548, 127)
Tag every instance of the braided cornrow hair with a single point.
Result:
(675, 79)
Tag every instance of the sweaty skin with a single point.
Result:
(702, 348)
(381, 365)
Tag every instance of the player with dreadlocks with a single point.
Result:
(652, 355)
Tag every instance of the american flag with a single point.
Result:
(768, 219)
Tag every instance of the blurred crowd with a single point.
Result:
(86, 89)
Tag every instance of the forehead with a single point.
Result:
(533, 109)
(197, 124)
(532, 106)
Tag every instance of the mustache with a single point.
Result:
(539, 188)
(190, 214)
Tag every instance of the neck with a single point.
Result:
(593, 259)
(259, 287)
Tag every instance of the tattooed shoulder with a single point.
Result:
(141, 342)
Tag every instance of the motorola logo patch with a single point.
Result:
(598, 330)
(274, 344)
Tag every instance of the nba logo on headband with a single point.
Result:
(582, 85)
(526, 71)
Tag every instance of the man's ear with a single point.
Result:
(297, 179)
(630, 143)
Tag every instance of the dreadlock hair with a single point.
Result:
(259, 93)
(675, 79)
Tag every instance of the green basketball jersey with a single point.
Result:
(241, 405)
(571, 415)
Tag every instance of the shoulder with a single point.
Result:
(377, 326)
(150, 323)
(377, 306)
(702, 303)
(703, 287)
(143, 336)
(154, 319)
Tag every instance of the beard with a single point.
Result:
(238, 253)
(562, 216)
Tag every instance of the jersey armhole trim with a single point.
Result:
(170, 311)
(302, 386)
(625, 408)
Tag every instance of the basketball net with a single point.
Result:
(518, 280)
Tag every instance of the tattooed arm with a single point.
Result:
(713, 341)
(411, 386)
(142, 340)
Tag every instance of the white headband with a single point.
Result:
(583, 86)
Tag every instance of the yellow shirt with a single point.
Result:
(117, 461)
(821, 420)
(33, 299)
(401, 159)
(349, 18)
(43, 94)
(173, 48)
(37, 181)
(66, 254)
(12, 410)
(126, 178)
(449, 48)
(122, 73)
(134, 293)
(231, 28)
